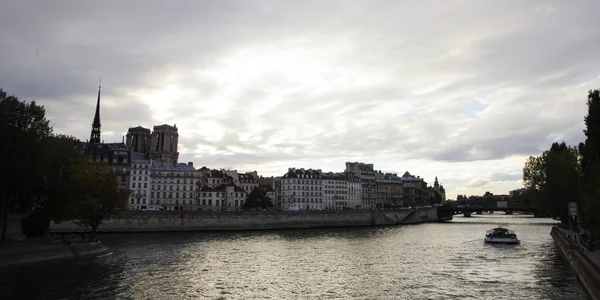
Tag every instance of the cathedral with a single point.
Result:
(160, 145)
(115, 155)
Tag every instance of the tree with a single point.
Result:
(552, 180)
(590, 165)
(258, 199)
(562, 181)
(62, 153)
(93, 195)
(23, 126)
(534, 176)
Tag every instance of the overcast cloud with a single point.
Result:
(462, 90)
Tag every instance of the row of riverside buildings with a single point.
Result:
(146, 162)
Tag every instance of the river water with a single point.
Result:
(426, 261)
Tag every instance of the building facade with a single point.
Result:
(248, 181)
(174, 186)
(272, 185)
(115, 155)
(413, 189)
(214, 178)
(226, 197)
(341, 191)
(389, 190)
(302, 190)
(366, 173)
(335, 191)
(355, 191)
(141, 183)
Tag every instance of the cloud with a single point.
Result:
(478, 182)
(464, 91)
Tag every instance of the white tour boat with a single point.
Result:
(501, 235)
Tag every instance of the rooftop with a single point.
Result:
(171, 166)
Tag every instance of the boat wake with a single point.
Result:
(107, 254)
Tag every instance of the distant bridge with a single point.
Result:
(447, 211)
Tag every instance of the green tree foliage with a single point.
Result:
(590, 165)
(258, 199)
(23, 128)
(534, 173)
(93, 195)
(62, 153)
(553, 180)
(562, 180)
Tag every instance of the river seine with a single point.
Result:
(426, 261)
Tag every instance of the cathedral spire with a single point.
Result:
(95, 135)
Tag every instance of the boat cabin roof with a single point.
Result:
(500, 230)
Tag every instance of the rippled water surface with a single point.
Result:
(426, 261)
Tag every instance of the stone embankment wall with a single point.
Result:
(212, 221)
(32, 253)
(586, 270)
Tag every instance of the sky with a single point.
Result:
(461, 90)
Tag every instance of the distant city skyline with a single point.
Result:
(464, 91)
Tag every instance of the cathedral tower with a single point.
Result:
(138, 139)
(163, 144)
